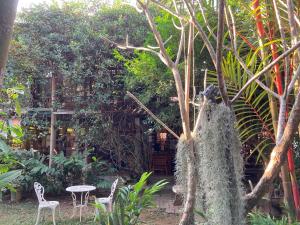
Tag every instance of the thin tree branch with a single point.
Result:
(267, 68)
(152, 114)
(283, 39)
(205, 19)
(201, 32)
(156, 34)
(182, 35)
(295, 17)
(189, 67)
(167, 9)
(292, 23)
(127, 46)
(180, 47)
(261, 84)
(169, 63)
(232, 31)
(219, 56)
(231, 26)
(205, 80)
(165, 42)
(295, 77)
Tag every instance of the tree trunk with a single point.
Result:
(278, 157)
(8, 12)
(287, 190)
(187, 217)
(285, 178)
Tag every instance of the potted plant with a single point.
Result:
(16, 190)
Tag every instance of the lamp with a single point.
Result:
(162, 140)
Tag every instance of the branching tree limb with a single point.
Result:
(264, 70)
(202, 34)
(219, 56)
(232, 32)
(278, 156)
(152, 114)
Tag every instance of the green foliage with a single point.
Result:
(65, 171)
(8, 177)
(96, 170)
(7, 174)
(10, 109)
(65, 41)
(9, 133)
(254, 120)
(151, 81)
(130, 201)
(261, 219)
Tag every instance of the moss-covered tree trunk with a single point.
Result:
(218, 167)
(8, 9)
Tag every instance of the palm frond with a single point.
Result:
(253, 116)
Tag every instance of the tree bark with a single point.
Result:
(8, 10)
(187, 217)
(219, 51)
(278, 156)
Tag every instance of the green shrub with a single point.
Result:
(65, 171)
(96, 170)
(262, 219)
(130, 201)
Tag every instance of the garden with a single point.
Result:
(154, 112)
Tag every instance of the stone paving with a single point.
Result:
(165, 200)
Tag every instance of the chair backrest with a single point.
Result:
(39, 190)
(113, 188)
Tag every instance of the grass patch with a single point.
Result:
(25, 213)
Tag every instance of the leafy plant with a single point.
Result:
(96, 171)
(254, 120)
(7, 176)
(262, 219)
(130, 201)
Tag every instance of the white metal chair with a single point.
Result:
(108, 201)
(39, 190)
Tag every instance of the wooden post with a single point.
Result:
(138, 148)
(53, 120)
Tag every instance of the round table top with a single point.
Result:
(80, 188)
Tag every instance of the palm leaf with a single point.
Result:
(8, 177)
(253, 116)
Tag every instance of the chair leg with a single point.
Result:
(74, 211)
(43, 215)
(53, 216)
(38, 216)
(59, 213)
(80, 209)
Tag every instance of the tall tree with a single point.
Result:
(193, 148)
(8, 12)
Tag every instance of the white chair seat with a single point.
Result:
(49, 204)
(103, 200)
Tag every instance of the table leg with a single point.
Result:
(86, 198)
(74, 204)
(81, 205)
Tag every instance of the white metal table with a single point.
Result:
(84, 198)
